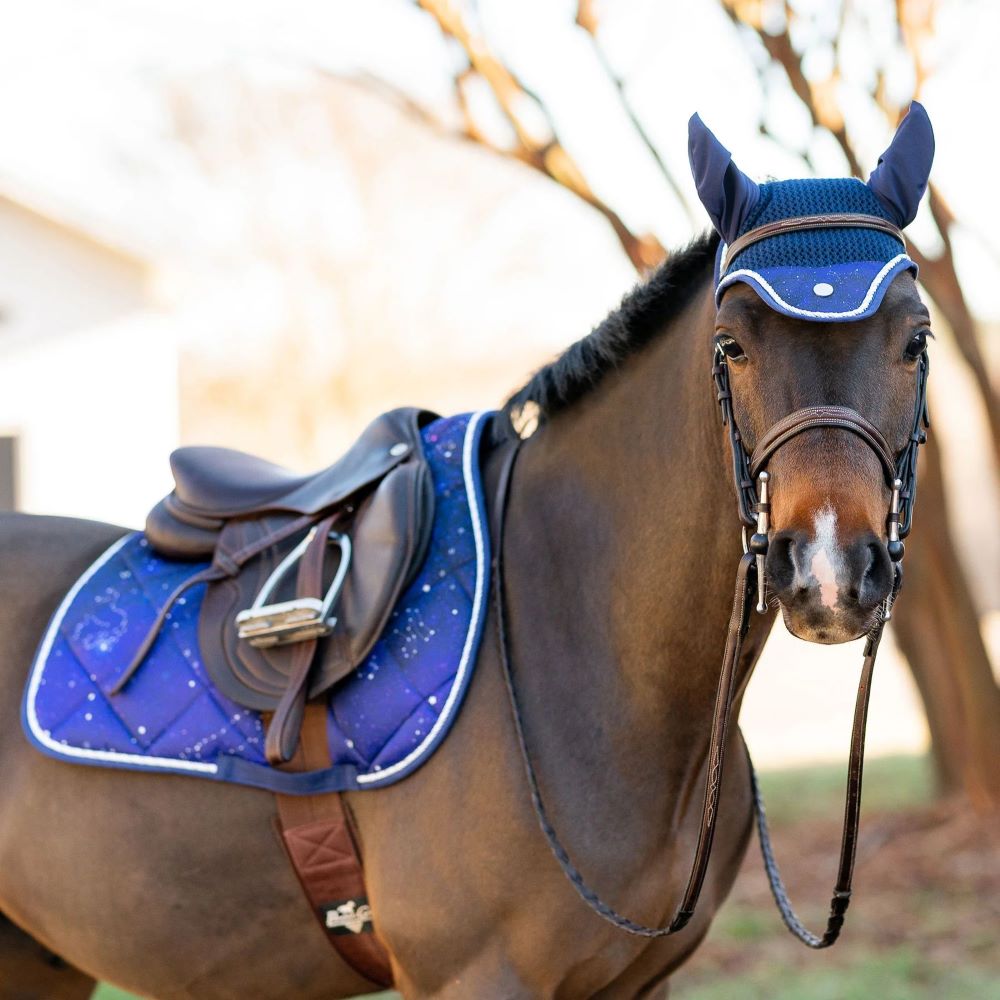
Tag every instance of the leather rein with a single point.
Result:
(754, 512)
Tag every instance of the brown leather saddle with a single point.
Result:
(304, 570)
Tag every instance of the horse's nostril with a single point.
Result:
(876, 578)
(871, 569)
(780, 567)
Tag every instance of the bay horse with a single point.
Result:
(620, 543)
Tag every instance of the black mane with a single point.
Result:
(628, 329)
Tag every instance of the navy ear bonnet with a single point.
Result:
(821, 272)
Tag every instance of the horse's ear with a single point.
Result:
(900, 179)
(727, 193)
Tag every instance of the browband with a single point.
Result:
(837, 220)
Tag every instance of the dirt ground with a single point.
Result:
(923, 922)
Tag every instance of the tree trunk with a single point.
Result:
(937, 628)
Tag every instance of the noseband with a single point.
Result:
(754, 508)
(900, 472)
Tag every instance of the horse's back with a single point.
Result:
(134, 877)
(40, 557)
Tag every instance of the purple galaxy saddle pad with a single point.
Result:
(384, 720)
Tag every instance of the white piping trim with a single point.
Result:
(468, 458)
(136, 760)
(744, 272)
(38, 668)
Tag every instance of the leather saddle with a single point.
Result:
(304, 570)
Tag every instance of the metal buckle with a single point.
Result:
(763, 526)
(264, 625)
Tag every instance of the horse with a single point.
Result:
(619, 543)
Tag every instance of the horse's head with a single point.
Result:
(820, 361)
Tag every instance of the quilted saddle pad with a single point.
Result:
(384, 720)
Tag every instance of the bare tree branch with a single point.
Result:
(937, 273)
(545, 154)
(586, 18)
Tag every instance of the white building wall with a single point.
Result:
(88, 374)
(96, 415)
(54, 279)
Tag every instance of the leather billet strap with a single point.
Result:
(317, 836)
(838, 220)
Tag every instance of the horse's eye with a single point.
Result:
(730, 348)
(917, 345)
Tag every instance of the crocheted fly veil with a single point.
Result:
(820, 266)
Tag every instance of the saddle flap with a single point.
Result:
(389, 534)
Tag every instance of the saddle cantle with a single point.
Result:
(304, 570)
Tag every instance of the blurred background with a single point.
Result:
(259, 224)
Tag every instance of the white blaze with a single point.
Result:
(822, 559)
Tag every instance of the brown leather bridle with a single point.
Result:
(754, 510)
(833, 220)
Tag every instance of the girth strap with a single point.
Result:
(812, 417)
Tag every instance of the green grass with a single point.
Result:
(106, 992)
(900, 974)
(890, 784)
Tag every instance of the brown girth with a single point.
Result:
(841, 220)
(317, 835)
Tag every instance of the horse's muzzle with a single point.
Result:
(828, 592)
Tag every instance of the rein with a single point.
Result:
(754, 513)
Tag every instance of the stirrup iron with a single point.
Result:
(265, 625)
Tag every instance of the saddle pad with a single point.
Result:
(384, 719)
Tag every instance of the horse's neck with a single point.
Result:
(621, 552)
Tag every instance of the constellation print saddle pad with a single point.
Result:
(384, 720)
